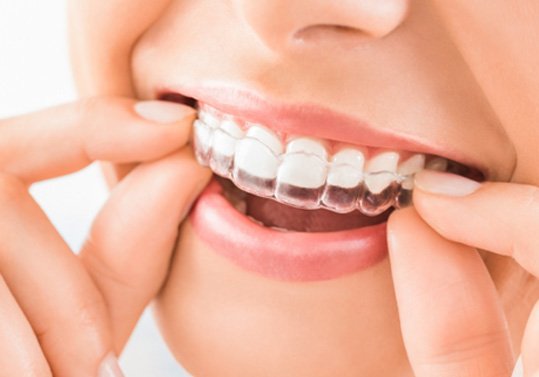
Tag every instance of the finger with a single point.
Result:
(20, 354)
(530, 344)
(58, 297)
(451, 319)
(132, 238)
(64, 139)
(499, 217)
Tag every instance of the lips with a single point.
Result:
(319, 122)
(284, 242)
(290, 256)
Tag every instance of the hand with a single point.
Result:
(67, 315)
(451, 316)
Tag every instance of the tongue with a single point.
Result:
(274, 214)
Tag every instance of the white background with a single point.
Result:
(35, 73)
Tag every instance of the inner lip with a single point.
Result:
(271, 213)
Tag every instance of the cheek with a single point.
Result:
(102, 35)
(216, 317)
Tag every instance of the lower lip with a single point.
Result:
(290, 256)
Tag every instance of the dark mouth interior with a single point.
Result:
(178, 98)
(270, 213)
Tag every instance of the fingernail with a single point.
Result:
(162, 111)
(109, 367)
(444, 183)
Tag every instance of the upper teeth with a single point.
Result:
(300, 171)
(346, 169)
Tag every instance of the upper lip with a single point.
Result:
(317, 121)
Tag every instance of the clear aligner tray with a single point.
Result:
(303, 179)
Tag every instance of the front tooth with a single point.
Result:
(255, 167)
(411, 166)
(256, 161)
(438, 163)
(266, 137)
(224, 145)
(307, 145)
(302, 173)
(381, 169)
(346, 170)
(343, 182)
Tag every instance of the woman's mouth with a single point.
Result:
(293, 206)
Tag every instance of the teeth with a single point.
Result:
(301, 172)
(438, 163)
(241, 207)
(237, 199)
(266, 137)
(224, 146)
(203, 141)
(256, 221)
(255, 167)
(256, 161)
(293, 171)
(293, 178)
(209, 118)
(344, 179)
(347, 168)
(302, 153)
(409, 167)
(308, 146)
(385, 167)
(412, 165)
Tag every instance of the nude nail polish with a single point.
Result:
(445, 183)
(162, 111)
(109, 367)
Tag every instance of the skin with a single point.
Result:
(455, 297)
(91, 301)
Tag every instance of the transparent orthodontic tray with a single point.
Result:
(397, 192)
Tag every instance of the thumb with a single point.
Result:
(451, 320)
(133, 237)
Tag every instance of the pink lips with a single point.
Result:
(291, 256)
(313, 120)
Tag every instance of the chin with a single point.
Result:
(219, 319)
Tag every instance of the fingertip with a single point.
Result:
(401, 222)
(445, 184)
(431, 206)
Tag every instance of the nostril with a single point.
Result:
(330, 33)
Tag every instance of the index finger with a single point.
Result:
(66, 138)
(499, 217)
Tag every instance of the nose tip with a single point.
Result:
(278, 22)
(379, 18)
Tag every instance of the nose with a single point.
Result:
(279, 22)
